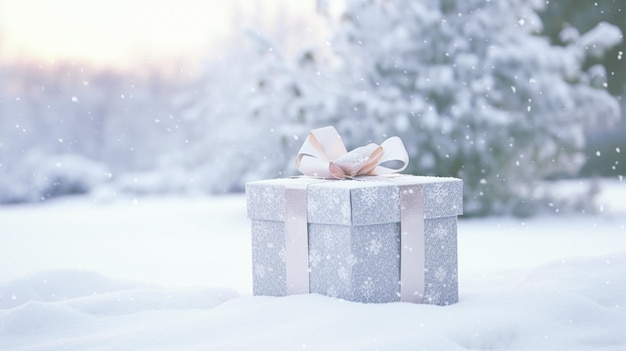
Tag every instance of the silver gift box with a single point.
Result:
(353, 241)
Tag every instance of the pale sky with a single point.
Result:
(125, 32)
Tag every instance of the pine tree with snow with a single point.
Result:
(474, 91)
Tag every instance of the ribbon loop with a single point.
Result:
(324, 155)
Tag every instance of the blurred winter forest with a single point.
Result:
(504, 94)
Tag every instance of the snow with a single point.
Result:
(173, 273)
(601, 37)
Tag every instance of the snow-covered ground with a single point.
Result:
(174, 274)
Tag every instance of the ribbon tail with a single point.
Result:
(393, 151)
(296, 239)
(320, 168)
(320, 147)
(412, 243)
(330, 142)
(311, 148)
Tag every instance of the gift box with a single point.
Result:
(372, 239)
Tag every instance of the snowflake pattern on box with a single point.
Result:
(354, 241)
(268, 258)
(359, 203)
(443, 199)
(314, 258)
(374, 247)
(328, 205)
(433, 298)
(282, 254)
(441, 261)
(259, 270)
(439, 231)
(440, 274)
(332, 291)
(438, 194)
(351, 260)
(348, 261)
(375, 204)
(368, 289)
(369, 196)
(266, 201)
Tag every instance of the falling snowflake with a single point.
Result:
(351, 260)
(314, 258)
(374, 247)
(438, 193)
(367, 288)
(441, 274)
(439, 232)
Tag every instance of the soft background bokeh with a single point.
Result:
(142, 97)
(105, 104)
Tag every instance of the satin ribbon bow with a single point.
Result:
(324, 155)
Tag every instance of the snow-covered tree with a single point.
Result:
(473, 90)
(584, 15)
(603, 157)
(67, 128)
(257, 112)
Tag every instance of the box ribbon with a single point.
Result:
(412, 240)
(324, 155)
(296, 239)
(412, 243)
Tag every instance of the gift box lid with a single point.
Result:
(365, 201)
